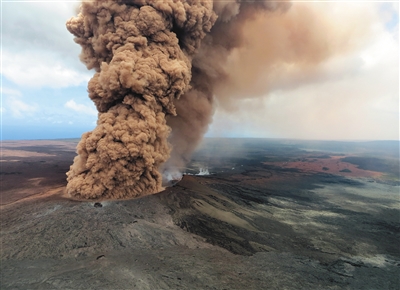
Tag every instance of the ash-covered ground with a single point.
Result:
(272, 214)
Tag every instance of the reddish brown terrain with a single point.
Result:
(330, 164)
(272, 214)
(33, 168)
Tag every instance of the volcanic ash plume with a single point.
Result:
(196, 107)
(157, 63)
(142, 56)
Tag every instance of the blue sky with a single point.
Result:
(43, 83)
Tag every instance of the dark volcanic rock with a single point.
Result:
(252, 227)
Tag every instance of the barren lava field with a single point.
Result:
(272, 214)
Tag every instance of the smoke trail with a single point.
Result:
(156, 68)
(196, 107)
(253, 48)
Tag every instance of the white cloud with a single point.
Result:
(38, 51)
(10, 92)
(19, 108)
(81, 108)
(38, 25)
(382, 50)
(33, 69)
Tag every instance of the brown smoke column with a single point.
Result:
(150, 78)
(195, 108)
(252, 49)
(161, 67)
(141, 53)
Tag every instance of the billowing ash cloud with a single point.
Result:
(157, 66)
(209, 74)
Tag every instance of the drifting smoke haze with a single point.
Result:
(283, 50)
(163, 66)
